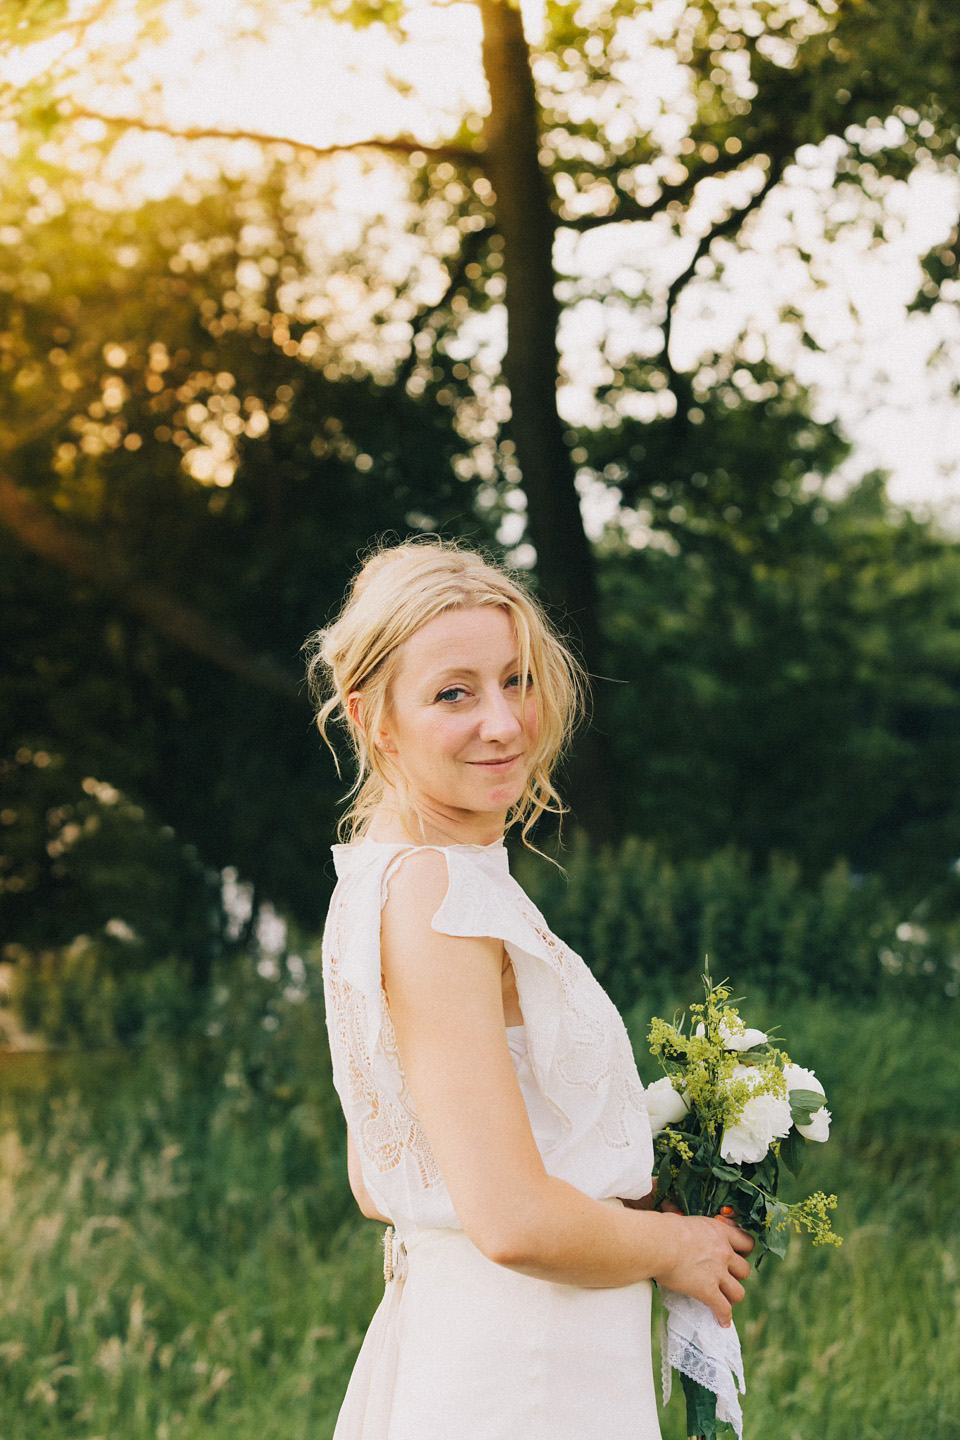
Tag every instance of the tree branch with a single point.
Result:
(468, 252)
(628, 208)
(728, 226)
(398, 145)
(83, 558)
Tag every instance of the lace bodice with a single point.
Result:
(573, 1057)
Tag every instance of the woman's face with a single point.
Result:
(454, 723)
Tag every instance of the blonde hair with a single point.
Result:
(397, 591)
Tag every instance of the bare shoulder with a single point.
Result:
(416, 889)
(416, 886)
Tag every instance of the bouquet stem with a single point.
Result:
(701, 1410)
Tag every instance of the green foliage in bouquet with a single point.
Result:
(731, 1111)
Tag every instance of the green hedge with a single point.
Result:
(643, 921)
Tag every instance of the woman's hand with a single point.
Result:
(706, 1261)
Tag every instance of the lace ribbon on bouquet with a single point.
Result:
(693, 1342)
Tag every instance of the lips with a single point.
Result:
(503, 764)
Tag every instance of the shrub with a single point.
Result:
(642, 920)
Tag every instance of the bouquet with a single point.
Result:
(731, 1111)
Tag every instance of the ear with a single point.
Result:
(355, 709)
(381, 740)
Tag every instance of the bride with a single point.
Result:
(495, 1116)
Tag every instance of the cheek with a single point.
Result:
(443, 735)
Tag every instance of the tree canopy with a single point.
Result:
(214, 400)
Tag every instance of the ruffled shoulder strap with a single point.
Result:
(364, 871)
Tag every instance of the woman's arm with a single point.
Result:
(446, 1004)
(355, 1176)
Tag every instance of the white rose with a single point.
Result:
(763, 1119)
(734, 1039)
(819, 1127)
(742, 1039)
(664, 1105)
(799, 1079)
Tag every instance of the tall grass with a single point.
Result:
(179, 1257)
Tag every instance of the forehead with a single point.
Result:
(469, 639)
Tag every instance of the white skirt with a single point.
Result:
(463, 1349)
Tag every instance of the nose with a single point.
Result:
(500, 720)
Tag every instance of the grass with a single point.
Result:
(179, 1257)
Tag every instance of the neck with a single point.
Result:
(438, 825)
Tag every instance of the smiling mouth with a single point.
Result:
(496, 764)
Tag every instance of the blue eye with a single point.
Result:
(515, 680)
(450, 696)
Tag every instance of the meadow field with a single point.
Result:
(180, 1257)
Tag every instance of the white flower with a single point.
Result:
(664, 1105)
(763, 1119)
(742, 1039)
(734, 1039)
(819, 1127)
(799, 1079)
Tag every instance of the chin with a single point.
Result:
(503, 797)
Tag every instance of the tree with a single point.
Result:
(789, 683)
(569, 146)
(763, 82)
(127, 580)
(760, 83)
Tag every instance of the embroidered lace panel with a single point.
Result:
(379, 1108)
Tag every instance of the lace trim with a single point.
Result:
(693, 1342)
(385, 1124)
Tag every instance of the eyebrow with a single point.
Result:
(465, 672)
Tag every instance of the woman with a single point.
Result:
(494, 1111)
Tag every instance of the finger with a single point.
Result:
(739, 1267)
(724, 1313)
(732, 1289)
(739, 1239)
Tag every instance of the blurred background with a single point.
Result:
(658, 302)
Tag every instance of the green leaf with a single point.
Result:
(777, 1232)
(793, 1152)
(767, 1173)
(804, 1104)
(664, 1176)
(724, 1172)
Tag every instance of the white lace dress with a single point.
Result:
(461, 1348)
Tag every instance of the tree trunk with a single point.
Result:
(526, 223)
